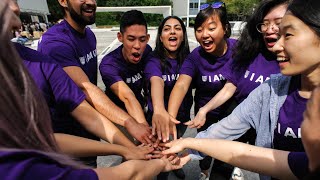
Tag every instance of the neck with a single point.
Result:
(172, 55)
(310, 80)
(221, 49)
(75, 25)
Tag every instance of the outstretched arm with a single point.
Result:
(83, 147)
(161, 123)
(262, 160)
(98, 99)
(127, 96)
(137, 169)
(99, 125)
(220, 98)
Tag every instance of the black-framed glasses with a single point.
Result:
(263, 27)
(215, 5)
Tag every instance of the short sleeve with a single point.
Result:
(110, 71)
(153, 68)
(66, 93)
(188, 67)
(298, 163)
(61, 52)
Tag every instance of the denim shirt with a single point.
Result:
(259, 110)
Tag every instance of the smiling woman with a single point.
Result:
(203, 65)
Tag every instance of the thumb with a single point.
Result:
(174, 120)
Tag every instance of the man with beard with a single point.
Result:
(73, 46)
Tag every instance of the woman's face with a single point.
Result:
(298, 49)
(172, 36)
(210, 35)
(272, 21)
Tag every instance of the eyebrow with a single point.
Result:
(173, 25)
(273, 19)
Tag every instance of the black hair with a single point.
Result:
(250, 42)
(160, 50)
(221, 12)
(132, 17)
(307, 11)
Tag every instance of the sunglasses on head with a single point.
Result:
(215, 5)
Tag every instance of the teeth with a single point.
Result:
(282, 59)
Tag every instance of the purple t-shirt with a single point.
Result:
(169, 75)
(207, 75)
(298, 163)
(115, 68)
(287, 135)
(257, 72)
(71, 48)
(34, 165)
(61, 93)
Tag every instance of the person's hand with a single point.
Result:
(198, 121)
(173, 162)
(310, 129)
(174, 146)
(163, 125)
(139, 131)
(140, 152)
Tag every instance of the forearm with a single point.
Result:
(98, 99)
(178, 92)
(262, 160)
(99, 125)
(82, 147)
(133, 169)
(134, 109)
(220, 98)
(157, 94)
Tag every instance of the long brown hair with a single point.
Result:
(24, 115)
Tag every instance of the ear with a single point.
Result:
(120, 37)
(148, 37)
(63, 3)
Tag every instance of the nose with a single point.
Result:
(205, 33)
(172, 31)
(136, 44)
(92, 2)
(278, 47)
(271, 29)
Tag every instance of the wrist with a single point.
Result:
(129, 122)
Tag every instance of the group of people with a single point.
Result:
(51, 103)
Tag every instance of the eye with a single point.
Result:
(166, 29)
(199, 30)
(142, 39)
(287, 35)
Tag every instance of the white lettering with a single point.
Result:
(260, 79)
(289, 132)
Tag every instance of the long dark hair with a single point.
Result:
(161, 52)
(221, 12)
(250, 42)
(24, 115)
(307, 11)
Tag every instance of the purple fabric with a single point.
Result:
(258, 71)
(207, 76)
(34, 165)
(287, 135)
(115, 68)
(169, 76)
(71, 48)
(298, 163)
(61, 93)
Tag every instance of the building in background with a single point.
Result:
(186, 9)
(34, 10)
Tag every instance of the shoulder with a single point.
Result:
(113, 57)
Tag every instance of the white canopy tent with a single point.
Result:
(164, 10)
(39, 7)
